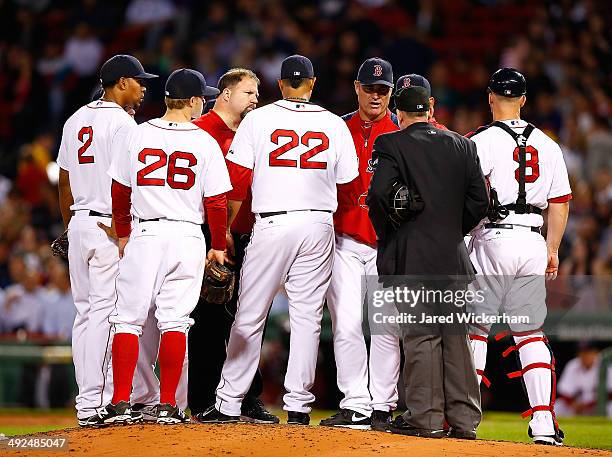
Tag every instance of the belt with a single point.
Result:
(278, 213)
(91, 213)
(513, 226)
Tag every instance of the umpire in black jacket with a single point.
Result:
(443, 168)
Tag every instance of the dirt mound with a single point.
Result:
(279, 441)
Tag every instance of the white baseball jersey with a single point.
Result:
(169, 167)
(294, 168)
(545, 173)
(88, 143)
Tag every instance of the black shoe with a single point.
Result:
(254, 411)
(170, 415)
(295, 418)
(95, 420)
(121, 413)
(213, 416)
(347, 418)
(401, 427)
(149, 412)
(381, 420)
(548, 440)
(462, 434)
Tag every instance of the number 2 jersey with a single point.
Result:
(89, 138)
(169, 166)
(298, 152)
(546, 179)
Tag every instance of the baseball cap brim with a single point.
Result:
(378, 81)
(145, 76)
(210, 91)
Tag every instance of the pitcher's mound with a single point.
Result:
(282, 440)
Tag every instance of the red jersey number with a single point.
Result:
(532, 167)
(86, 137)
(173, 169)
(294, 141)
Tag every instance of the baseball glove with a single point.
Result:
(59, 247)
(218, 284)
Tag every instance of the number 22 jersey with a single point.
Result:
(546, 179)
(169, 166)
(298, 152)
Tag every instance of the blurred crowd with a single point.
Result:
(50, 54)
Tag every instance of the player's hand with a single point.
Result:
(214, 254)
(553, 265)
(230, 250)
(110, 231)
(122, 242)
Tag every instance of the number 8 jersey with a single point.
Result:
(88, 140)
(546, 177)
(298, 152)
(169, 166)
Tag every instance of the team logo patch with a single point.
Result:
(377, 70)
(406, 82)
(362, 200)
(371, 165)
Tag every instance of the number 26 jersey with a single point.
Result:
(170, 167)
(546, 179)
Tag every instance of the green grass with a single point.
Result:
(588, 432)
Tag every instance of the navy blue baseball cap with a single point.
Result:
(296, 67)
(185, 83)
(375, 71)
(123, 66)
(413, 80)
(412, 99)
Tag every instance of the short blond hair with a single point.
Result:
(176, 103)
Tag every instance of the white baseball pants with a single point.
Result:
(294, 249)
(345, 300)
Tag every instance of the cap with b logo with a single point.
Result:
(375, 71)
(123, 66)
(185, 83)
(411, 99)
(296, 67)
(413, 80)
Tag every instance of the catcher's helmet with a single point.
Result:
(508, 82)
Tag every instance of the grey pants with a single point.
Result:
(440, 378)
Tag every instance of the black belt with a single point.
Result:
(278, 213)
(511, 226)
(91, 213)
(150, 220)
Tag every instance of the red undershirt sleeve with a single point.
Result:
(216, 213)
(122, 202)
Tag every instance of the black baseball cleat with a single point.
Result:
(347, 418)
(149, 412)
(381, 420)
(120, 414)
(213, 416)
(548, 440)
(462, 434)
(95, 420)
(254, 411)
(170, 415)
(401, 427)
(295, 418)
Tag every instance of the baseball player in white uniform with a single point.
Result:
(88, 141)
(527, 174)
(168, 170)
(296, 152)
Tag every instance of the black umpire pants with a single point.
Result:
(208, 339)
